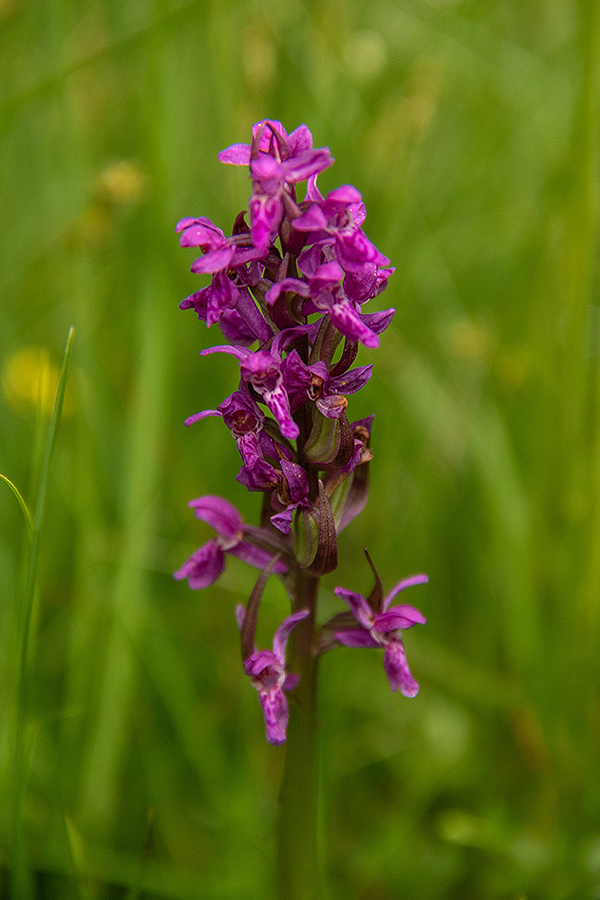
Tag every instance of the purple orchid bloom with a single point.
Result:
(263, 370)
(382, 629)
(245, 419)
(225, 259)
(210, 302)
(336, 220)
(219, 252)
(276, 164)
(315, 382)
(267, 669)
(207, 563)
(328, 392)
(324, 289)
(266, 140)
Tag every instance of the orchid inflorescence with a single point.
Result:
(286, 290)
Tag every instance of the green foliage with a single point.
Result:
(141, 770)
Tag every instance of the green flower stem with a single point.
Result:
(297, 816)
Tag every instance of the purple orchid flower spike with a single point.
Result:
(207, 563)
(287, 290)
(267, 669)
(377, 624)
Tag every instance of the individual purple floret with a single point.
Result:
(207, 563)
(335, 222)
(276, 164)
(382, 629)
(267, 669)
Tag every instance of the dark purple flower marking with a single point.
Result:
(292, 494)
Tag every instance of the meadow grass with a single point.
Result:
(132, 753)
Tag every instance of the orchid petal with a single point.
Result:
(398, 617)
(235, 155)
(282, 634)
(276, 712)
(402, 585)
(358, 605)
(257, 557)
(219, 514)
(397, 671)
(355, 637)
(204, 567)
(297, 480)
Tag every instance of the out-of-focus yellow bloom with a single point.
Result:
(365, 54)
(123, 182)
(30, 380)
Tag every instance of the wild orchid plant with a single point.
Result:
(286, 290)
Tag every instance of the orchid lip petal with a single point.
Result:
(204, 566)
(276, 712)
(397, 671)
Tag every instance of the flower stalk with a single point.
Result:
(297, 851)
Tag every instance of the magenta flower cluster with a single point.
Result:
(288, 291)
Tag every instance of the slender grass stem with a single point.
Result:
(22, 745)
(22, 504)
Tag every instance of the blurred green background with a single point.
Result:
(471, 127)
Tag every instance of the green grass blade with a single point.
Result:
(22, 742)
(22, 503)
(41, 497)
